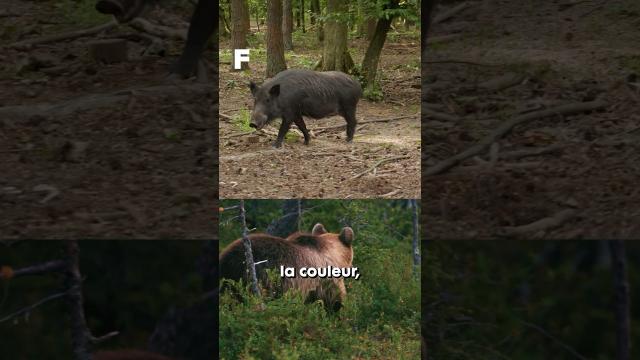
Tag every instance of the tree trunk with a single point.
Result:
(80, 335)
(275, 51)
(238, 33)
(622, 302)
(304, 30)
(315, 18)
(314, 11)
(416, 236)
(371, 28)
(223, 25)
(372, 56)
(289, 222)
(335, 55)
(248, 253)
(287, 24)
(246, 19)
(426, 22)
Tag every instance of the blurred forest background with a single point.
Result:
(128, 287)
(525, 300)
(381, 316)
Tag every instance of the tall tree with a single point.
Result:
(415, 247)
(372, 56)
(287, 24)
(622, 302)
(315, 18)
(426, 22)
(304, 30)
(248, 253)
(246, 19)
(238, 31)
(275, 50)
(289, 222)
(223, 24)
(335, 55)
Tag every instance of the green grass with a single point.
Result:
(631, 62)
(379, 320)
(242, 120)
(81, 12)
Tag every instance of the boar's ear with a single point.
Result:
(346, 236)
(253, 88)
(318, 229)
(275, 90)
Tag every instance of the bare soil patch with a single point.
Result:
(556, 174)
(328, 167)
(91, 150)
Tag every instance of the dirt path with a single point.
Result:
(110, 163)
(585, 185)
(328, 167)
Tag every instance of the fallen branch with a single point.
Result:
(506, 127)
(321, 130)
(380, 162)
(239, 134)
(157, 30)
(541, 225)
(519, 154)
(443, 38)
(225, 116)
(90, 102)
(446, 15)
(502, 82)
(391, 193)
(461, 62)
(66, 36)
(440, 116)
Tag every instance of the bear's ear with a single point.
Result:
(318, 229)
(346, 236)
(253, 87)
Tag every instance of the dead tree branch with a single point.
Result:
(29, 308)
(47, 267)
(506, 127)
(90, 102)
(66, 36)
(380, 162)
(158, 30)
(541, 225)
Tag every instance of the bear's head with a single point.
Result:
(339, 245)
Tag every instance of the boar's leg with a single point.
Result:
(350, 116)
(202, 26)
(284, 127)
(299, 121)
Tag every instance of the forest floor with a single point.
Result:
(548, 92)
(91, 150)
(328, 167)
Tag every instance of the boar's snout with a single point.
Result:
(258, 121)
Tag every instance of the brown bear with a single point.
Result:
(320, 249)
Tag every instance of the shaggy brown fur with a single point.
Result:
(128, 355)
(318, 249)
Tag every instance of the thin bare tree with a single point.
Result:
(248, 253)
